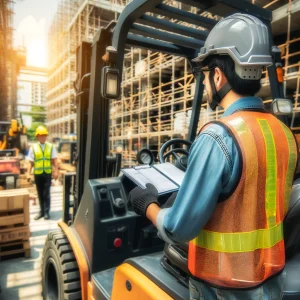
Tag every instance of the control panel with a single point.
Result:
(110, 227)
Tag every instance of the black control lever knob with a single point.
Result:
(103, 191)
(119, 203)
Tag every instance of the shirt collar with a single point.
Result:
(244, 103)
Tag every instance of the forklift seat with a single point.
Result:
(175, 261)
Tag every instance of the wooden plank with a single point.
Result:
(15, 201)
(15, 233)
(3, 203)
(22, 244)
(67, 167)
(11, 249)
(27, 253)
(13, 191)
(12, 220)
(26, 210)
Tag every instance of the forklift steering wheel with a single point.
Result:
(180, 161)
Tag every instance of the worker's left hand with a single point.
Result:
(142, 198)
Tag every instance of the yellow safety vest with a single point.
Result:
(42, 160)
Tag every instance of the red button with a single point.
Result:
(117, 242)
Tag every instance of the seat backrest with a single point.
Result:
(291, 223)
(294, 205)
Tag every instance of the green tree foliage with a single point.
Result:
(38, 114)
(31, 131)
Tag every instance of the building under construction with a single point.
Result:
(8, 62)
(157, 89)
(75, 21)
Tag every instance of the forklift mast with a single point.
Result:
(140, 25)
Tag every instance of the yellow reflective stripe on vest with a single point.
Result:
(271, 172)
(291, 166)
(239, 242)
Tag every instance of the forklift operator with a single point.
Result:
(235, 193)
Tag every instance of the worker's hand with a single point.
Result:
(142, 198)
(28, 177)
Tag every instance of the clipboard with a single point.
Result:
(165, 177)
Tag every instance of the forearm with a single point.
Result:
(54, 165)
(152, 212)
(30, 165)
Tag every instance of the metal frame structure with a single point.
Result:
(140, 25)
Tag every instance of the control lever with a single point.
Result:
(149, 232)
(119, 203)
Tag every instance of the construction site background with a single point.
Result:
(10, 62)
(157, 89)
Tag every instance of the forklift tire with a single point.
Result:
(60, 272)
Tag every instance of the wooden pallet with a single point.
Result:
(16, 233)
(15, 249)
(13, 219)
(14, 199)
(14, 204)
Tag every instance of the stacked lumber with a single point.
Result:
(67, 167)
(14, 223)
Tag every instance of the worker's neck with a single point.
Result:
(229, 99)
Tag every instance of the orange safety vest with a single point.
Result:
(242, 244)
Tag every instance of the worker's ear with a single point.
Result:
(219, 79)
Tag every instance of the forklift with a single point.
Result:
(13, 144)
(103, 250)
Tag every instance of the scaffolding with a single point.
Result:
(158, 89)
(8, 70)
(74, 22)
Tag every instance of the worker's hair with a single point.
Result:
(244, 87)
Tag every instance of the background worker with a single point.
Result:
(236, 190)
(43, 157)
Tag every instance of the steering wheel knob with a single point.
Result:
(184, 160)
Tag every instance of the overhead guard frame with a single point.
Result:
(136, 28)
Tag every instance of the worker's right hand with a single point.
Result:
(142, 198)
(28, 177)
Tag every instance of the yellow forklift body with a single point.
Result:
(140, 286)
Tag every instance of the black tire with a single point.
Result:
(60, 272)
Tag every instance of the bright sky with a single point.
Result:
(31, 22)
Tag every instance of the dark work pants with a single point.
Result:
(43, 183)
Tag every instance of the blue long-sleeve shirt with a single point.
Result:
(213, 170)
